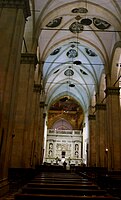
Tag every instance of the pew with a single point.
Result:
(62, 186)
(65, 191)
(60, 197)
(51, 185)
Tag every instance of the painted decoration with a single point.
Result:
(72, 53)
(56, 51)
(101, 24)
(79, 10)
(90, 52)
(76, 27)
(55, 22)
(71, 85)
(69, 72)
(86, 21)
(83, 72)
(77, 62)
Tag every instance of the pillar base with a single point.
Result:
(4, 186)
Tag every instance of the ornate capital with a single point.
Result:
(100, 106)
(92, 117)
(18, 4)
(112, 91)
(28, 58)
(37, 88)
(42, 104)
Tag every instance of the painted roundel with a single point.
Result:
(77, 62)
(56, 51)
(79, 10)
(69, 72)
(90, 52)
(101, 24)
(72, 53)
(55, 22)
(76, 27)
(86, 21)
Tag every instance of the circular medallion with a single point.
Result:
(86, 21)
(79, 10)
(76, 27)
(72, 53)
(100, 24)
(56, 51)
(90, 52)
(55, 22)
(69, 72)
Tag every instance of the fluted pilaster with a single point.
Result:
(101, 139)
(13, 14)
(92, 140)
(113, 127)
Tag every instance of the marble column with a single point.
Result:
(101, 139)
(113, 127)
(13, 16)
(92, 140)
(23, 115)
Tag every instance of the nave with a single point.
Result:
(63, 185)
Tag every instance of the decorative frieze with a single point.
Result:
(112, 91)
(92, 117)
(18, 4)
(28, 58)
(100, 106)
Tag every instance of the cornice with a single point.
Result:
(18, 4)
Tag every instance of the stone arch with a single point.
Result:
(62, 124)
(116, 65)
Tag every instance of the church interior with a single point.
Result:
(60, 96)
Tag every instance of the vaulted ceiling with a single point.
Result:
(76, 39)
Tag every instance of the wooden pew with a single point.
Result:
(64, 191)
(60, 197)
(59, 185)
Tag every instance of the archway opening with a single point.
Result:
(65, 132)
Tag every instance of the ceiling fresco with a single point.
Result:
(76, 39)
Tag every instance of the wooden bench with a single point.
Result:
(60, 197)
(64, 191)
(62, 186)
(59, 185)
(61, 181)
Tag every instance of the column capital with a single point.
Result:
(100, 106)
(112, 91)
(37, 87)
(92, 117)
(18, 4)
(42, 104)
(28, 58)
